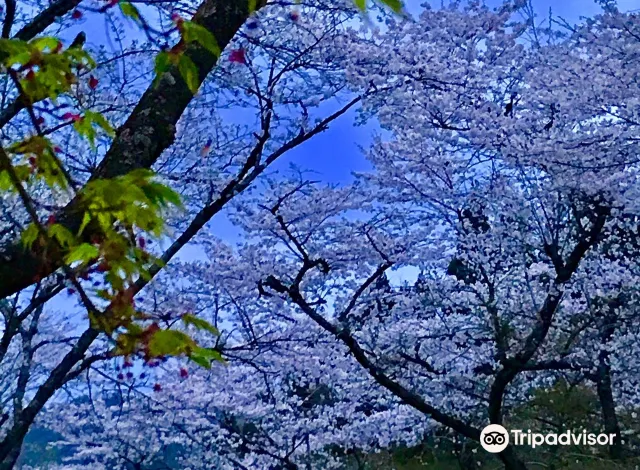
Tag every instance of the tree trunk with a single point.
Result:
(510, 459)
(12, 443)
(603, 384)
(608, 407)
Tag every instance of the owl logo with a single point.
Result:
(494, 438)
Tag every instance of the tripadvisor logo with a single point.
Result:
(495, 438)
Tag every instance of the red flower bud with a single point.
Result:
(176, 18)
(103, 267)
(238, 56)
(157, 387)
(72, 116)
(184, 373)
(93, 82)
(76, 15)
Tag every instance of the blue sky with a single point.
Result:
(336, 153)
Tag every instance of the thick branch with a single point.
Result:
(511, 368)
(407, 396)
(9, 16)
(604, 386)
(45, 18)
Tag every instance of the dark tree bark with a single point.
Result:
(603, 382)
(510, 459)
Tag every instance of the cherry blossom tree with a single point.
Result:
(504, 175)
(209, 104)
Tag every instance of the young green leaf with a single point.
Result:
(99, 120)
(5, 181)
(46, 42)
(85, 253)
(128, 9)
(170, 343)
(205, 356)
(395, 5)
(63, 236)
(200, 324)
(189, 73)
(29, 236)
(86, 218)
(163, 63)
(193, 32)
